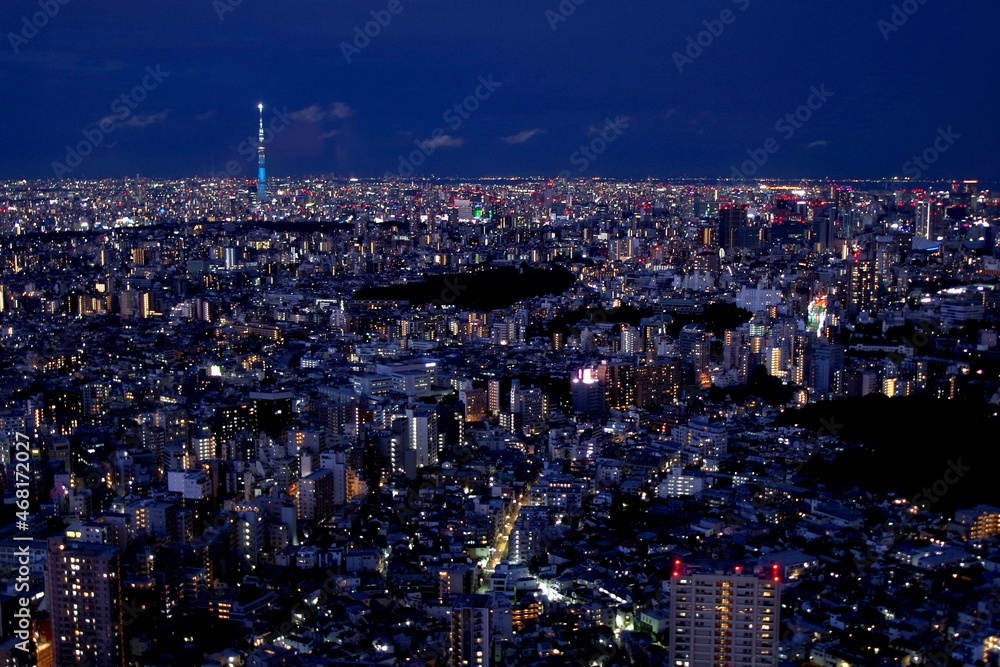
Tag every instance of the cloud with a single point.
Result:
(668, 114)
(341, 110)
(317, 113)
(445, 140)
(522, 137)
(143, 120)
(137, 120)
(820, 143)
(311, 114)
(331, 133)
(208, 115)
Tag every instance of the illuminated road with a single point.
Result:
(498, 551)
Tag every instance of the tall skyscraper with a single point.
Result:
(862, 287)
(723, 619)
(83, 588)
(922, 223)
(732, 219)
(823, 230)
(261, 176)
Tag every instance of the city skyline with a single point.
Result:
(537, 333)
(516, 422)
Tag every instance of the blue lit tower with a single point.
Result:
(261, 178)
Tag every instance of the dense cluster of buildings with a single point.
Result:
(236, 459)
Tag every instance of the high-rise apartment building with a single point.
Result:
(863, 285)
(658, 384)
(83, 587)
(422, 435)
(618, 380)
(474, 401)
(316, 496)
(827, 367)
(723, 620)
(587, 392)
(477, 623)
(694, 346)
(493, 396)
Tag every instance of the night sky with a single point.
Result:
(553, 90)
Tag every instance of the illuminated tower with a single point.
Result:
(261, 178)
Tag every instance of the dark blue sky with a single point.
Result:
(609, 59)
